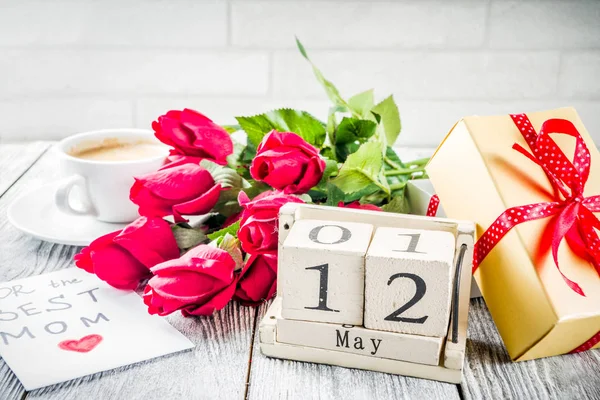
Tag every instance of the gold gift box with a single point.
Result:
(477, 176)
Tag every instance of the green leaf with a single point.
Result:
(352, 129)
(336, 194)
(284, 120)
(301, 48)
(231, 244)
(362, 103)
(330, 89)
(376, 116)
(331, 125)
(231, 229)
(391, 154)
(376, 198)
(227, 177)
(390, 118)
(397, 205)
(317, 195)
(187, 238)
(305, 198)
(342, 151)
(233, 160)
(362, 168)
(231, 128)
(329, 153)
(227, 204)
(331, 168)
(248, 154)
(256, 188)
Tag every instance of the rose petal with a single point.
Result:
(117, 267)
(149, 240)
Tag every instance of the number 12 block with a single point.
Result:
(408, 281)
(323, 274)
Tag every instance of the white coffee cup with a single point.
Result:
(103, 186)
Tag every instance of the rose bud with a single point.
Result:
(198, 283)
(258, 279)
(359, 206)
(287, 162)
(186, 189)
(193, 134)
(258, 225)
(124, 258)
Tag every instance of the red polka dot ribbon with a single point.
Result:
(434, 203)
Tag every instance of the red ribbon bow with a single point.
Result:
(575, 220)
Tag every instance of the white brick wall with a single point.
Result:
(73, 65)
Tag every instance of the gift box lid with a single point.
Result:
(478, 175)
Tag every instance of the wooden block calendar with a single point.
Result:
(371, 290)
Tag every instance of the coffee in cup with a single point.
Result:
(114, 149)
(102, 166)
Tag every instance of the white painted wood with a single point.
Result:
(453, 351)
(15, 159)
(343, 359)
(358, 340)
(321, 271)
(375, 218)
(286, 221)
(490, 374)
(405, 266)
(272, 378)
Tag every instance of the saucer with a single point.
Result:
(35, 214)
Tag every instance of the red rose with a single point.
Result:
(186, 189)
(258, 279)
(193, 134)
(174, 160)
(357, 205)
(258, 225)
(287, 162)
(124, 258)
(198, 283)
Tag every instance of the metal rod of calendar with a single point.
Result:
(459, 262)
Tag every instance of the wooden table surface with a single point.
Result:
(226, 362)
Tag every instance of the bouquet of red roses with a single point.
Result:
(230, 251)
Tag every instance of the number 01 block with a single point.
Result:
(408, 281)
(321, 274)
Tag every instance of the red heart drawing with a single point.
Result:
(83, 345)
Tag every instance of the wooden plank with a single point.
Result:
(274, 379)
(489, 372)
(218, 364)
(16, 158)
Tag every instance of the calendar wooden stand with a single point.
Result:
(452, 354)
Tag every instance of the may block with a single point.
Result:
(323, 274)
(409, 280)
(358, 340)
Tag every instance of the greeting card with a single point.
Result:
(67, 324)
